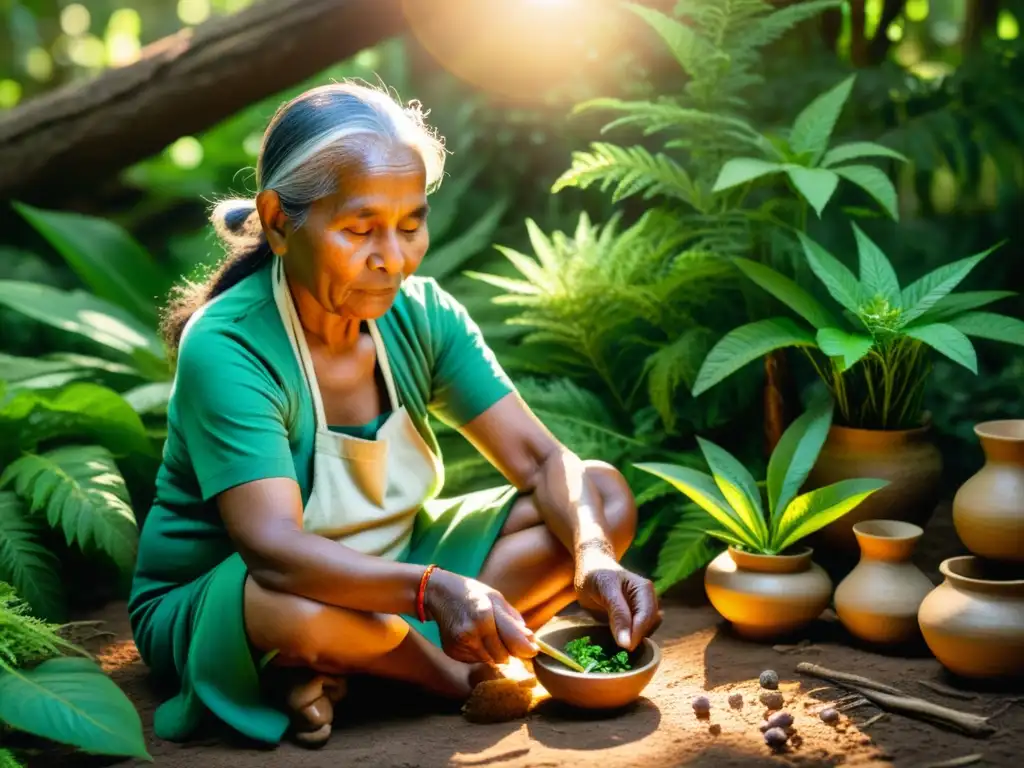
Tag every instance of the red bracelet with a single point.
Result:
(421, 613)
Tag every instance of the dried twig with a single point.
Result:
(894, 700)
(945, 690)
(1005, 707)
(818, 690)
(956, 762)
(873, 720)
(860, 702)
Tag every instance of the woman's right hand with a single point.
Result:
(476, 623)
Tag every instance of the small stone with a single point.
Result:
(772, 700)
(796, 740)
(736, 700)
(829, 716)
(865, 741)
(714, 729)
(769, 679)
(775, 738)
(702, 705)
(780, 720)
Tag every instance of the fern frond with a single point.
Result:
(673, 366)
(25, 561)
(82, 493)
(8, 760)
(25, 639)
(653, 117)
(629, 171)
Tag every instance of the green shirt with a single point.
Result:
(240, 411)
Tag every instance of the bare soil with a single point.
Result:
(388, 726)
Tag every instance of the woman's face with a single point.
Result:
(355, 247)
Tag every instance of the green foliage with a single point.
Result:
(25, 640)
(732, 499)
(875, 365)
(594, 658)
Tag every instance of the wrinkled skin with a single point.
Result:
(332, 610)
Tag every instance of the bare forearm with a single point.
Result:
(311, 566)
(571, 505)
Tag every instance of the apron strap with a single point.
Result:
(293, 326)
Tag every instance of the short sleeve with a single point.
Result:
(231, 414)
(467, 378)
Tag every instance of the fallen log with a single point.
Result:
(73, 138)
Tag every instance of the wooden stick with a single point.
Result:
(970, 724)
(860, 702)
(873, 720)
(945, 690)
(956, 762)
(818, 690)
(844, 678)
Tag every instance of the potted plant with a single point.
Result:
(765, 583)
(875, 360)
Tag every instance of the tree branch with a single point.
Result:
(77, 136)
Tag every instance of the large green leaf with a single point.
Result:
(71, 701)
(32, 418)
(442, 261)
(817, 185)
(875, 183)
(92, 317)
(82, 493)
(814, 510)
(876, 272)
(957, 304)
(851, 347)
(813, 127)
(794, 457)
(746, 344)
(788, 292)
(686, 549)
(25, 562)
(857, 150)
(738, 487)
(700, 488)
(106, 258)
(740, 170)
(839, 280)
(948, 341)
(54, 371)
(989, 325)
(920, 296)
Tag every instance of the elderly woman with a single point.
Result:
(296, 532)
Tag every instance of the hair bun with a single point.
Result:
(235, 219)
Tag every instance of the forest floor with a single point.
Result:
(700, 656)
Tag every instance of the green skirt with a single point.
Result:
(198, 629)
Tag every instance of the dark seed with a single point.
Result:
(701, 705)
(769, 679)
(780, 720)
(736, 700)
(775, 738)
(772, 699)
(715, 729)
(830, 716)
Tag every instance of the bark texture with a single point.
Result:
(78, 136)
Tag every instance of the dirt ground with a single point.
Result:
(700, 656)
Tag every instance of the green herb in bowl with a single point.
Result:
(594, 658)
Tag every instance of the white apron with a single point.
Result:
(366, 493)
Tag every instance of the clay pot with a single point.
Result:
(974, 621)
(879, 600)
(594, 690)
(988, 510)
(906, 458)
(767, 596)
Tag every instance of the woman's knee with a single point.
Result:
(314, 634)
(619, 504)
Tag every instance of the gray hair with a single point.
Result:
(307, 140)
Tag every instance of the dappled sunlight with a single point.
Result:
(111, 328)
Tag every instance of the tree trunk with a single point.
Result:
(72, 139)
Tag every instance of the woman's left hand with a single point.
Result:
(628, 600)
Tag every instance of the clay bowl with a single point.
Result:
(595, 690)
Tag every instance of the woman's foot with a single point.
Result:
(310, 702)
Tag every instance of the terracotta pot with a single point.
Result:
(988, 510)
(879, 600)
(767, 596)
(906, 458)
(974, 623)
